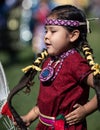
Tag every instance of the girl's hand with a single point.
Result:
(25, 120)
(76, 115)
(31, 116)
(27, 123)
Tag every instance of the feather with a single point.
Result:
(4, 89)
(4, 110)
(8, 124)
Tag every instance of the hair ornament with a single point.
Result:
(31, 66)
(95, 67)
(92, 19)
(88, 23)
(35, 66)
(88, 26)
(62, 22)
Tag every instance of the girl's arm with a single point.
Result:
(81, 112)
(92, 105)
(31, 116)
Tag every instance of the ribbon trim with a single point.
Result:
(96, 69)
(34, 67)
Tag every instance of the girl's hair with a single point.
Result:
(69, 12)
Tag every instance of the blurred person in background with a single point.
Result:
(8, 28)
(83, 4)
(32, 19)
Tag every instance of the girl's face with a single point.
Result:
(57, 39)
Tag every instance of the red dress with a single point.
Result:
(66, 90)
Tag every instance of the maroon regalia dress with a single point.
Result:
(67, 89)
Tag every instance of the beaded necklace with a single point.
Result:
(48, 73)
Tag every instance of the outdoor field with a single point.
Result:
(24, 102)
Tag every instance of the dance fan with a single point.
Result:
(5, 113)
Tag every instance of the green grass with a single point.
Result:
(24, 102)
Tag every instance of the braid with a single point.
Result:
(37, 62)
(35, 66)
(87, 51)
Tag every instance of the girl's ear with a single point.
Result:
(74, 35)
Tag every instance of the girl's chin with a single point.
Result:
(52, 53)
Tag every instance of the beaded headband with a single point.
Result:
(72, 23)
(61, 22)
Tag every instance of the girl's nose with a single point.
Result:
(47, 36)
(45, 39)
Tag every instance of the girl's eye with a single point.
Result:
(45, 31)
(53, 31)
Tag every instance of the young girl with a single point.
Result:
(66, 76)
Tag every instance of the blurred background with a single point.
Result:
(21, 39)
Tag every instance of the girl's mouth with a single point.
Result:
(48, 45)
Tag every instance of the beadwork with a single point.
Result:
(48, 73)
(62, 22)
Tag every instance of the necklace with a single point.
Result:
(48, 73)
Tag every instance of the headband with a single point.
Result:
(61, 22)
